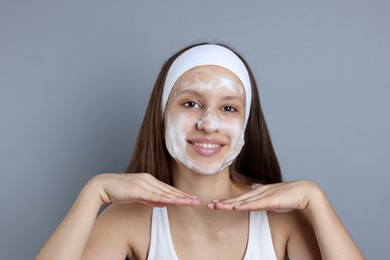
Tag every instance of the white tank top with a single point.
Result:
(259, 246)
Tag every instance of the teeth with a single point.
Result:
(205, 145)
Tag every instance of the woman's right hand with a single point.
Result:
(70, 238)
(140, 188)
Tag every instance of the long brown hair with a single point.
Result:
(257, 161)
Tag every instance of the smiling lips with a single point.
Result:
(206, 147)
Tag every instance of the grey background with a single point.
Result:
(75, 78)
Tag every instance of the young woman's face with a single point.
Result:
(205, 119)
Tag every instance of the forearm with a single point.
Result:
(333, 238)
(69, 239)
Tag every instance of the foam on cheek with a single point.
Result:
(174, 137)
(236, 132)
(175, 140)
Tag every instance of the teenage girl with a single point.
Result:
(204, 181)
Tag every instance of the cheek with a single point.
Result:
(178, 126)
(234, 129)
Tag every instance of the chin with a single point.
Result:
(207, 170)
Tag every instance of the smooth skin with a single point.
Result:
(208, 214)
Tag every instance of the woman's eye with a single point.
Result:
(190, 104)
(229, 109)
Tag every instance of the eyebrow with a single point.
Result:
(197, 94)
(234, 98)
(191, 92)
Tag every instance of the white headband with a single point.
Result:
(208, 54)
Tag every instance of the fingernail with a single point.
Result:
(214, 201)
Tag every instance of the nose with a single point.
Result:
(209, 122)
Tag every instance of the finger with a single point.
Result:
(251, 203)
(249, 197)
(256, 191)
(221, 206)
(172, 190)
(211, 206)
(148, 190)
(176, 197)
(262, 205)
(268, 193)
(158, 197)
(149, 180)
(160, 205)
(155, 204)
(267, 203)
(240, 197)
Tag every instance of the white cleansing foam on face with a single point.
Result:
(182, 126)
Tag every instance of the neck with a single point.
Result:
(207, 188)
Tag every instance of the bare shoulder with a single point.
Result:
(292, 233)
(121, 230)
(127, 217)
(126, 212)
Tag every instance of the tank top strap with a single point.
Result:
(161, 245)
(260, 245)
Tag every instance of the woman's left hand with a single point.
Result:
(278, 197)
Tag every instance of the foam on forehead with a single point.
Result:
(208, 54)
